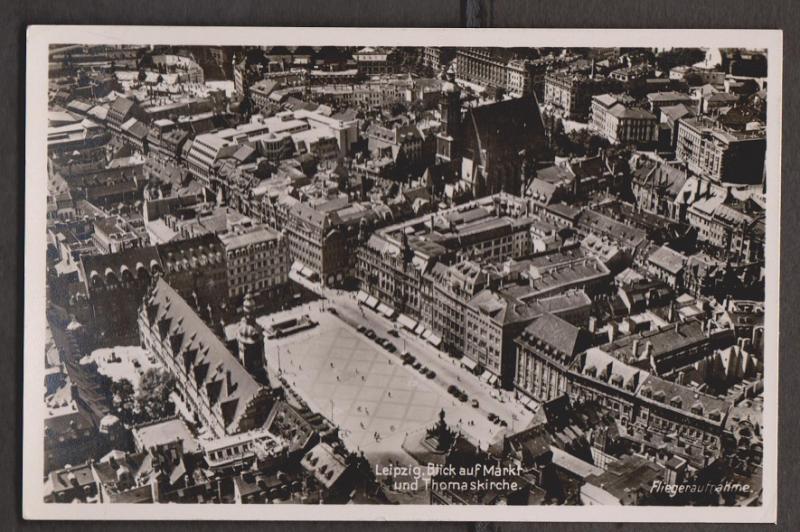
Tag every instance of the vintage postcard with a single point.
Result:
(517, 275)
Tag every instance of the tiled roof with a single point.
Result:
(220, 379)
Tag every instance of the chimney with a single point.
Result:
(229, 382)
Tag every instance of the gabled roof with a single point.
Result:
(121, 106)
(227, 388)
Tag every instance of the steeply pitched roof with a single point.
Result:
(227, 387)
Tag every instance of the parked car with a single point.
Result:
(452, 389)
(431, 374)
(417, 365)
(361, 329)
(370, 334)
(503, 423)
(463, 397)
(475, 403)
(394, 333)
(423, 370)
(390, 347)
(492, 416)
(333, 311)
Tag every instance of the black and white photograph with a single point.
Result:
(525, 275)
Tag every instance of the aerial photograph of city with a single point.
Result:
(390, 275)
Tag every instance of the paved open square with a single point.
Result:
(366, 392)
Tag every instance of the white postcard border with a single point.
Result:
(38, 39)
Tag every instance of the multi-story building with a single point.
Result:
(545, 350)
(484, 66)
(612, 119)
(212, 382)
(567, 269)
(656, 186)
(115, 284)
(453, 287)
(495, 318)
(720, 155)
(519, 78)
(668, 350)
(257, 262)
(375, 61)
(196, 268)
(378, 93)
(436, 56)
(323, 236)
(259, 92)
(121, 110)
(275, 138)
(633, 73)
(734, 227)
(572, 92)
(657, 100)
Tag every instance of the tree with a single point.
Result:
(679, 56)
(123, 391)
(155, 387)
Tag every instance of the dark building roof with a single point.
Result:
(229, 389)
(558, 333)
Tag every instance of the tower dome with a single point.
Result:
(250, 337)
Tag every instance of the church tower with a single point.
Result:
(250, 338)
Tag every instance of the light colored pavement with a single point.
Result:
(122, 365)
(448, 370)
(367, 391)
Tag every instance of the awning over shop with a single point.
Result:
(434, 340)
(493, 379)
(362, 296)
(406, 322)
(426, 334)
(486, 376)
(419, 329)
(305, 271)
(468, 363)
(371, 302)
(386, 310)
